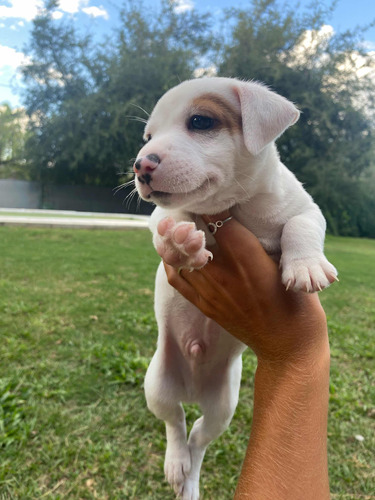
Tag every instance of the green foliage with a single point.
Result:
(122, 363)
(332, 146)
(12, 143)
(15, 425)
(83, 98)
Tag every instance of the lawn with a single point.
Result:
(78, 331)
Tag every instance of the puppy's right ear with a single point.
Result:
(265, 115)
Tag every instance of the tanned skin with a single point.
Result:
(241, 290)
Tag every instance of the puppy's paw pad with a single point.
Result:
(308, 275)
(181, 244)
(184, 232)
(164, 225)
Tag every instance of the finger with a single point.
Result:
(202, 289)
(207, 279)
(182, 285)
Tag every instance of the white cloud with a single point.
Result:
(96, 12)
(354, 64)
(311, 53)
(182, 5)
(17, 26)
(72, 6)
(27, 10)
(307, 47)
(209, 71)
(367, 45)
(75, 6)
(21, 9)
(10, 57)
(57, 14)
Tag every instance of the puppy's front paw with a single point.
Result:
(180, 244)
(310, 274)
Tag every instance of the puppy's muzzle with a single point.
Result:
(145, 166)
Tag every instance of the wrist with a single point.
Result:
(301, 380)
(298, 340)
(311, 358)
(287, 452)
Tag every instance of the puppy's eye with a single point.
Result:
(148, 138)
(199, 122)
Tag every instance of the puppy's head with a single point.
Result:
(203, 138)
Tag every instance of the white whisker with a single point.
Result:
(140, 107)
(245, 176)
(241, 186)
(139, 204)
(129, 198)
(122, 186)
(137, 119)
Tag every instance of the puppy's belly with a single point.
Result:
(195, 351)
(184, 330)
(197, 337)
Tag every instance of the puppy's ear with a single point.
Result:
(265, 115)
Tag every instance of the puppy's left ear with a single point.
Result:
(265, 115)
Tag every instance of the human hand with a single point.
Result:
(241, 290)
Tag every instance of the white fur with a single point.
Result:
(206, 173)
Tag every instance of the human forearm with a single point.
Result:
(287, 455)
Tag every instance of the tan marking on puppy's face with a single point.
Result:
(216, 107)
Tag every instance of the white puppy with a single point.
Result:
(210, 147)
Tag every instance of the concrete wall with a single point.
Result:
(19, 194)
(23, 194)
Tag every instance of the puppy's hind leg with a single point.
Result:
(162, 400)
(218, 406)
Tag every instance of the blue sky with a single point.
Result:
(100, 16)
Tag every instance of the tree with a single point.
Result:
(83, 98)
(62, 71)
(12, 143)
(331, 148)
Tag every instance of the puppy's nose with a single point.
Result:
(146, 164)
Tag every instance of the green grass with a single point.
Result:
(77, 329)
